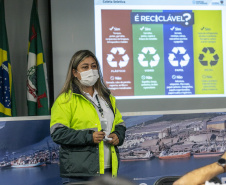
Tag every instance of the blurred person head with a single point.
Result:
(108, 180)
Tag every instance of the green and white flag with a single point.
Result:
(7, 97)
(37, 86)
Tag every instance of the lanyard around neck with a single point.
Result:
(99, 107)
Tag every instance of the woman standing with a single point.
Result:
(86, 123)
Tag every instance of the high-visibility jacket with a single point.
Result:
(73, 121)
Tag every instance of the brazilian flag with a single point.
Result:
(37, 91)
(7, 97)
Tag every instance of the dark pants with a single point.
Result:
(83, 180)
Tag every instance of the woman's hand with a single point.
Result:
(98, 137)
(115, 140)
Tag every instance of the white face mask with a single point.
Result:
(89, 78)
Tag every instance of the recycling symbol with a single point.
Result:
(214, 58)
(150, 51)
(121, 63)
(179, 51)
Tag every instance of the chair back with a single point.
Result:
(169, 180)
(79, 183)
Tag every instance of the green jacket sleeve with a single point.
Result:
(120, 132)
(68, 136)
(60, 130)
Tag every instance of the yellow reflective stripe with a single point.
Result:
(40, 59)
(5, 111)
(3, 56)
(114, 159)
(101, 157)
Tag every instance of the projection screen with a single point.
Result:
(155, 55)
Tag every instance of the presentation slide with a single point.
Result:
(162, 49)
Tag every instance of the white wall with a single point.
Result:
(72, 30)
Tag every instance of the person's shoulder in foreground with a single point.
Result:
(203, 175)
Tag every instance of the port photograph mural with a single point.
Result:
(155, 146)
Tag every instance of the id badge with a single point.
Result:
(104, 124)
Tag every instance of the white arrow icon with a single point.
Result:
(156, 57)
(140, 59)
(175, 50)
(110, 62)
(110, 57)
(121, 50)
(155, 62)
(185, 61)
(182, 50)
(173, 62)
(186, 57)
(114, 50)
(124, 62)
(171, 56)
(150, 49)
(145, 50)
